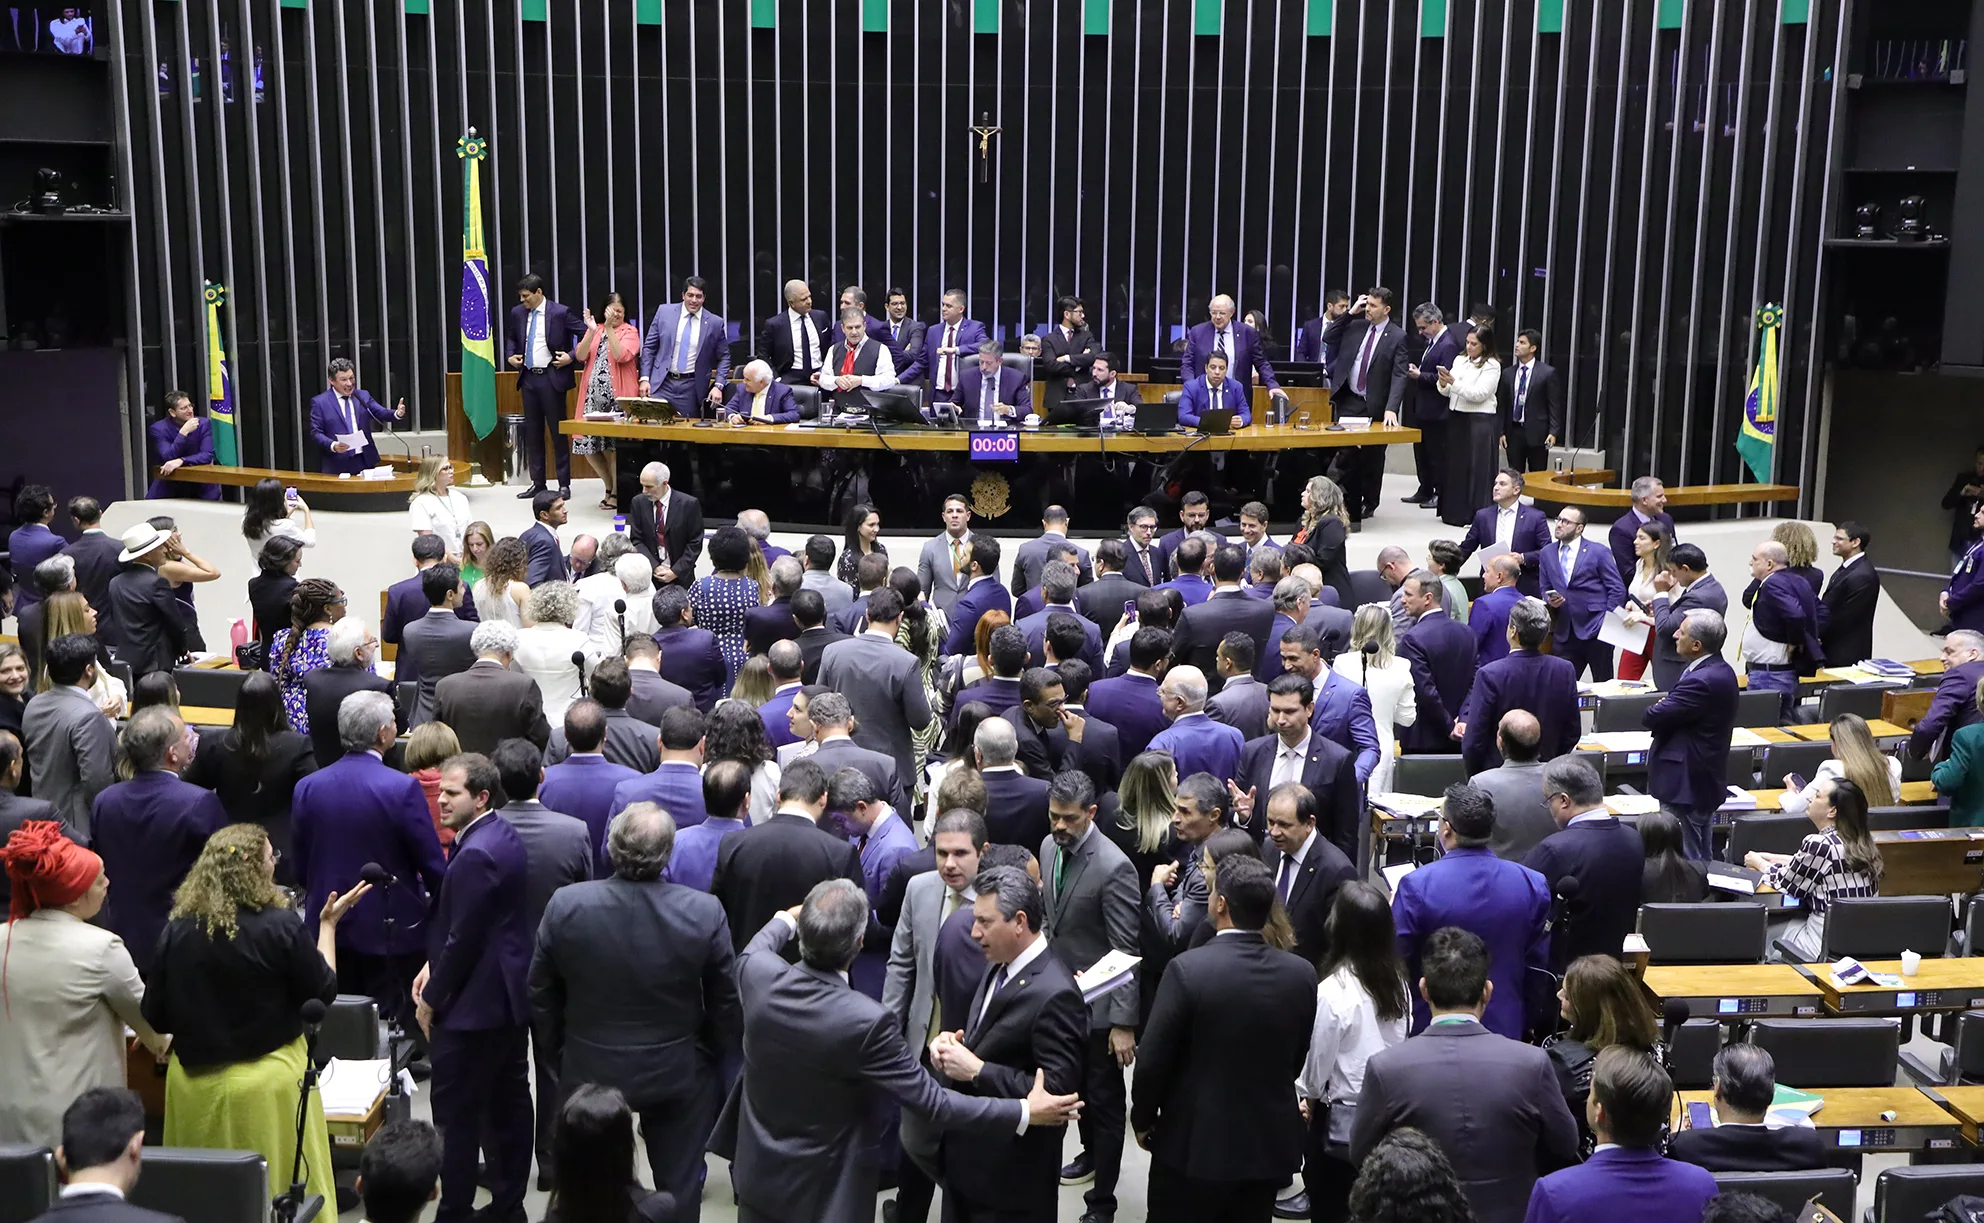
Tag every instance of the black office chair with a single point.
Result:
(1741, 770)
(1622, 712)
(406, 695)
(1894, 819)
(1368, 586)
(1791, 1190)
(1705, 933)
(27, 1182)
(808, 399)
(1803, 759)
(213, 1186)
(1171, 399)
(1771, 834)
(1836, 1052)
(1882, 927)
(1960, 1063)
(1908, 1193)
(1851, 698)
(350, 1031)
(1759, 709)
(1427, 774)
(205, 686)
(1018, 360)
(1597, 762)
(1691, 1057)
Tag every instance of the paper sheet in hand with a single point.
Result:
(1393, 874)
(353, 441)
(1109, 973)
(351, 1088)
(1613, 630)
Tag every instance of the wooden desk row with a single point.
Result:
(1858, 1120)
(1733, 993)
(1028, 441)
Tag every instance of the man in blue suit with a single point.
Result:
(1955, 704)
(690, 657)
(539, 344)
(354, 811)
(1580, 588)
(582, 784)
(762, 400)
(1441, 652)
(949, 346)
(1782, 641)
(344, 410)
(1246, 357)
(1510, 526)
(1213, 390)
(151, 828)
(990, 391)
(1689, 762)
(1057, 594)
(1425, 408)
(1188, 562)
(1309, 343)
(685, 356)
(1543, 684)
(547, 557)
(1488, 616)
(1505, 904)
(727, 798)
(676, 786)
(982, 593)
(1195, 741)
(472, 1000)
(882, 836)
(181, 438)
(1649, 505)
(786, 663)
(406, 601)
(1631, 1099)
(1129, 701)
(1342, 709)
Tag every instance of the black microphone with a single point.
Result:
(314, 1011)
(1567, 892)
(620, 610)
(1370, 652)
(1673, 1013)
(376, 875)
(579, 661)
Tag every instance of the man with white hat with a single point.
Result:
(145, 625)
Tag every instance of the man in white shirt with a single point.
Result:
(858, 363)
(948, 346)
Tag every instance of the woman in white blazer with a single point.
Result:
(1388, 680)
(545, 648)
(1472, 428)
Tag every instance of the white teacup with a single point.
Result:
(1911, 963)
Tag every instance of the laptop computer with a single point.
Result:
(1075, 411)
(1156, 417)
(1216, 421)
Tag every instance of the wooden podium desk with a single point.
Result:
(1733, 993)
(1853, 1120)
(1954, 983)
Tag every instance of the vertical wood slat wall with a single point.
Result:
(1631, 177)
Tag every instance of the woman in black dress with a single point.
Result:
(269, 590)
(860, 535)
(253, 766)
(592, 1147)
(1325, 526)
(1669, 877)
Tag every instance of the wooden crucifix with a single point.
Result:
(985, 130)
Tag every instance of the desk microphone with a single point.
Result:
(1673, 1013)
(1568, 889)
(376, 875)
(579, 661)
(620, 610)
(314, 1011)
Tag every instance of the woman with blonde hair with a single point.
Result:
(1801, 553)
(754, 684)
(429, 745)
(437, 507)
(504, 590)
(1856, 757)
(1146, 799)
(1325, 527)
(229, 979)
(66, 612)
(477, 538)
(1386, 677)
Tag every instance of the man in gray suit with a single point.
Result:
(1522, 818)
(631, 987)
(882, 684)
(1685, 586)
(489, 703)
(436, 645)
(652, 695)
(71, 748)
(800, 1127)
(944, 565)
(1035, 553)
(630, 742)
(1242, 700)
(1493, 1104)
(557, 852)
(1091, 897)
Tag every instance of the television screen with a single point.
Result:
(48, 29)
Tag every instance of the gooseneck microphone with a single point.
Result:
(579, 661)
(376, 875)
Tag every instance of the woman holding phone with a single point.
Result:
(272, 510)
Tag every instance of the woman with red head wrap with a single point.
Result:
(67, 988)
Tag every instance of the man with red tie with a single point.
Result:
(856, 364)
(948, 347)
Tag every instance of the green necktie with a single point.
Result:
(1060, 867)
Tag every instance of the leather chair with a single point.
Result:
(1813, 1054)
(1771, 834)
(1368, 586)
(1803, 759)
(1791, 1190)
(1882, 927)
(1908, 1193)
(1622, 712)
(1759, 709)
(1427, 775)
(808, 399)
(1691, 1055)
(212, 1186)
(1710, 933)
(27, 1182)
(1895, 819)
(1851, 698)
(209, 687)
(1959, 1063)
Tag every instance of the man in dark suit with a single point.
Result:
(1226, 1037)
(352, 652)
(182, 438)
(1745, 1082)
(94, 552)
(1101, 747)
(1103, 384)
(103, 1140)
(438, 644)
(629, 742)
(1425, 408)
(760, 870)
(809, 613)
(1510, 526)
(489, 703)
(1067, 356)
(1850, 599)
(471, 999)
(1531, 400)
(145, 625)
(1341, 708)
(1491, 1103)
(1602, 854)
(1580, 588)
(548, 561)
(1292, 752)
(1649, 505)
(1145, 561)
(355, 810)
(407, 602)
(982, 593)
(344, 411)
(773, 622)
(990, 392)
(652, 695)
(1246, 356)
(675, 784)
(690, 656)
(685, 355)
(800, 1126)
(1629, 1103)
(539, 343)
(150, 829)
(1308, 869)
(1440, 650)
(1783, 641)
(883, 683)
(1526, 678)
(1101, 601)
(1015, 804)
(1228, 609)
(1033, 555)
(1367, 378)
(793, 340)
(1242, 700)
(1129, 702)
(833, 725)
(1027, 1018)
(1686, 586)
(1057, 597)
(1309, 343)
(905, 335)
(1954, 705)
(631, 987)
(667, 526)
(582, 784)
(1688, 764)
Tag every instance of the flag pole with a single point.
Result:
(477, 333)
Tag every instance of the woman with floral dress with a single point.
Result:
(721, 599)
(316, 604)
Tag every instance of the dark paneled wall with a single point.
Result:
(1633, 176)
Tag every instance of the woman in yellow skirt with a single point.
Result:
(229, 980)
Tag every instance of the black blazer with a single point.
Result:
(684, 533)
(812, 644)
(268, 602)
(1330, 773)
(146, 624)
(15, 811)
(234, 1000)
(95, 554)
(1101, 601)
(1749, 1148)
(775, 343)
(1201, 628)
(261, 793)
(766, 626)
(102, 1208)
(1324, 869)
(1608, 861)
(771, 866)
(324, 689)
(1542, 411)
(1066, 362)
(1133, 568)
(1846, 613)
(1226, 1037)
(1015, 809)
(1099, 754)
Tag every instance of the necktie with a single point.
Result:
(350, 417)
(1060, 868)
(1143, 558)
(806, 362)
(951, 902)
(530, 341)
(957, 555)
(985, 398)
(998, 983)
(1522, 391)
(685, 347)
(1219, 344)
(1362, 382)
(1289, 767)
(847, 362)
(950, 379)
(1282, 878)
(1564, 560)
(661, 524)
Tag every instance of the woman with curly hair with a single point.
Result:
(736, 732)
(721, 599)
(503, 590)
(1801, 553)
(1406, 1179)
(545, 649)
(314, 606)
(1325, 526)
(229, 979)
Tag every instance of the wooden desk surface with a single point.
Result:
(1931, 861)
(1774, 734)
(1849, 1108)
(1739, 990)
(1044, 441)
(1570, 488)
(1954, 983)
(312, 483)
(1913, 793)
(1921, 666)
(1820, 732)
(1966, 1104)
(198, 715)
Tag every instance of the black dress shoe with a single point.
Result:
(544, 1185)
(1419, 498)
(1078, 1171)
(1096, 1216)
(530, 492)
(566, 493)
(1296, 1207)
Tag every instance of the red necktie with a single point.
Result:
(847, 362)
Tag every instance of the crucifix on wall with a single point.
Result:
(985, 129)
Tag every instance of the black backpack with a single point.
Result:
(1963, 1208)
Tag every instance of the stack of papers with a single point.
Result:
(1888, 667)
(1622, 740)
(1739, 799)
(1613, 630)
(351, 1088)
(1862, 676)
(1615, 687)
(1632, 804)
(1396, 803)
(1849, 971)
(1393, 874)
(1109, 973)
(1743, 736)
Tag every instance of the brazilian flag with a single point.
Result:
(1759, 431)
(478, 343)
(220, 383)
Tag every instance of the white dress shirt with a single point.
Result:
(947, 365)
(1505, 528)
(537, 353)
(1287, 765)
(803, 328)
(882, 379)
(1347, 1034)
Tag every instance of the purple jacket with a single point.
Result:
(27, 547)
(194, 449)
(675, 787)
(1488, 619)
(1197, 399)
(1015, 389)
(327, 421)
(1440, 650)
(1201, 745)
(1966, 590)
(977, 599)
(1784, 609)
(971, 333)
(1530, 537)
(1590, 590)
(353, 811)
(1506, 904)
(582, 787)
(148, 831)
(1662, 1190)
(1247, 357)
(691, 659)
(780, 408)
(478, 947)
(1690, 758)
(1130, 704)
(1544, 684)
(1952, 708)
(711, 363)
(773, 713)
(1343, 716)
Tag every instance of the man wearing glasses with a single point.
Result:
(1580, 584)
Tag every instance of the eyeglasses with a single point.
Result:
(1569, 522)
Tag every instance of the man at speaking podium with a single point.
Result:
(344, 412)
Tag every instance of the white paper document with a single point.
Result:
(1613, 630)
(1632, 804)
(355, 442)
(351, 1088)
(1107, 974)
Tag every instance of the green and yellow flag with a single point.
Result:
(220, 383)
(1759, 432)
(478, 342)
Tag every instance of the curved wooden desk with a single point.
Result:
(1032, 441)
(1570, 488)
(326, 491)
